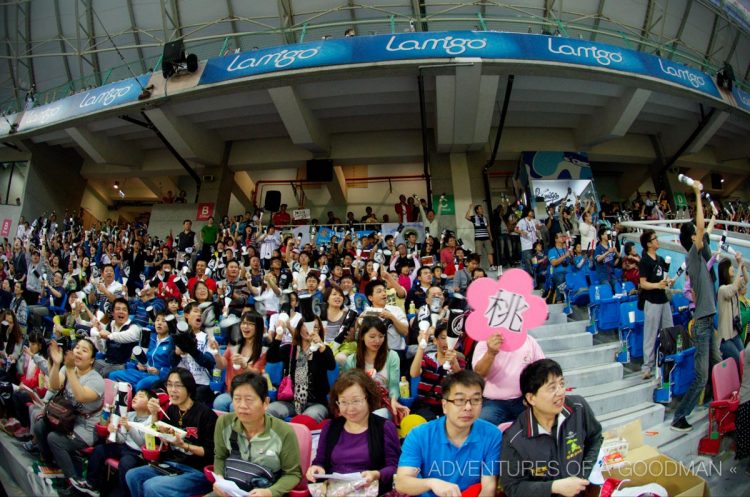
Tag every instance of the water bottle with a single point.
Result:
(217, 374)
(597, 295)
(412, 308)
(104, 420)
(403, 388)
(679, 342)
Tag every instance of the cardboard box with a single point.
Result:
(644, 464)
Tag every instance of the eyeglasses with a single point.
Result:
(351, 403)
(474, 401)
(653, 239)
(175, 385)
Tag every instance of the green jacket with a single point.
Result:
(392, 367)
(276, 449)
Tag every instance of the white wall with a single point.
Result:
(165, 217)
(17, 183)
(91, 203)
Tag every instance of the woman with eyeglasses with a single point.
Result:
(191, 447)
(250, 434)
(381, 364)
(356, 440)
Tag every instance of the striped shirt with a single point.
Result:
(481, 228)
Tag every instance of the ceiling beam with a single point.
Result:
(418, 13)
(598, 19)
(303, 127)
(136, 35)
(99, 192)
(337, 188)
(734, 45)
(176, 19)
(286, 18)
(103, 149)
(711, 41)
(681, 28)
(66, 63)
(11, 70)
(233, 23)
(646, 28)
(614, 120)
(190, 141)
(159, 185)
(91, 36)
(26, 10)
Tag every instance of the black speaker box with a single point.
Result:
(320, 170)
(273, 201)
(173, 51)
(716, 181)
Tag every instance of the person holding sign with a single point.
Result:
(553, 446)
(448, 455)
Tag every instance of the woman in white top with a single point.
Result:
(588, 232)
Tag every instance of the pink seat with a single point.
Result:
(722, 411)
(505, 426)
(304, 439)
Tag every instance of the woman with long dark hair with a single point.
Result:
(381, 364)
(307, 360)
(730, 281)
(245, 356)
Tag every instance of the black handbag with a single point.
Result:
(668, 341)
(60, 413)
(246, 474)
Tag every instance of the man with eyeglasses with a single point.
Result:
(448, 455)
(654, 281)
(553, 445)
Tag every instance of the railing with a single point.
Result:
(264, 34)
(640, 225)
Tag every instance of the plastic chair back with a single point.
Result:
(333, 375)
(304, 439)
(628, 287)
(505, 426)
(275, 370)
(625, 309)
(725, 379)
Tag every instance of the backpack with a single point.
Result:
(668, 341)
(246, 474)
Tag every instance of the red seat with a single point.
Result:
(112, 465)
(86, 451)
(725, 379)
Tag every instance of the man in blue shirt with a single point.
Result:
(560, 259)
(446, 456)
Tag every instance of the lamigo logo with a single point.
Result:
(601, 56)
(447, 44)
(683, 73)
(279, 60)
(105, 98)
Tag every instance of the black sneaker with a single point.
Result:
(83, 487)
(681, 425)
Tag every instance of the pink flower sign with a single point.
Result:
(507, 306)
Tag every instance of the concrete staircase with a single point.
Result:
(616, 394)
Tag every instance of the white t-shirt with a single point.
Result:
(528, 230)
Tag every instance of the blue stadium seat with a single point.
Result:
(577, 288)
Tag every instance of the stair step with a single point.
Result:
(566, 342)
(559, 329)
(598, 354)
(593, 375)
(648, 413)
(556, 318)
(680, 445)
(612, 397)
(555, 308)
(612, 386)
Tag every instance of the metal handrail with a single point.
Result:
(639, 225)
(679, 221)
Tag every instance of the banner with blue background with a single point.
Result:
(481, 44)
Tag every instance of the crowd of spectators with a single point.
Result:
(192, 320)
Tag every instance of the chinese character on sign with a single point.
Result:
(505, 310)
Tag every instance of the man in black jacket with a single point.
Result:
(552, 447)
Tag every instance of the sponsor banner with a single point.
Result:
(299, 214)
(205, 211)
(741, 98)
(557, 165)
(486, 45)
(86, 102)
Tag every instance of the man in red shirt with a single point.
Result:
(282, 218)
(200, 275)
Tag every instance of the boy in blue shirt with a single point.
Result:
(452, 453)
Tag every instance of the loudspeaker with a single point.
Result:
(320, 170)
(173, 51)
(273, 201)
(716, 183)
(172, 56)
